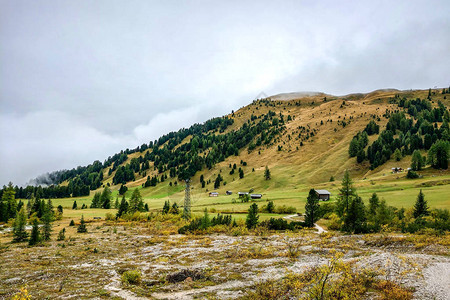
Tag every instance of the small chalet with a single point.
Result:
(229, 192)
(323, 195)
(242, 194)
(213, 194)
(255, 196)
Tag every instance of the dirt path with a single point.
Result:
(293, 218)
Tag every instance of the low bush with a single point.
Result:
(285, 209)
(131, 277)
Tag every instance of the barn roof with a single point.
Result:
(323, 192)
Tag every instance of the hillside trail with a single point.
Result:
(318, 227)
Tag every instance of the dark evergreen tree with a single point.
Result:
(421, 206)
(47, 219)
(241, 173)
(175, 210)
(346, 194)
(105, 198)
(123, 207)
(373, 204)
(60, 209)
(20, 221)
(96, 200)
(72, 223)
(74, 206)
(136, 202)
(354, 220)
(270, 207)
(312, 208)
(166, 207)
(62, 235)
(8, 206)
(438, 155)
(35, 237)
(82, 227)
(417, 162)
(252, 216)
(267, 173)
(123, 189)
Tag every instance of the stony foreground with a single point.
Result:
(212, 266)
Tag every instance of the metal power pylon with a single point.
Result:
(187, 201)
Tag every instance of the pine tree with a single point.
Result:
(136, 202)
(205, 222)
(397, 154)
(20, 221)
(72, 223)
(123, 207)
(241, 173)
(383, 214)
(354, 220)
(62, 235)
(47, 219)
(267, 173)
(116, 203)
(421, 206)
(166, 207)
(175, 210)
(74, 206)
(105, 198)
(373, 204)
(95, 201)
(347, 193)
(312, 208)
(8, 207)
(82, 227)
(270, 207)
(35, 236)
(416, 161)
(252, 217)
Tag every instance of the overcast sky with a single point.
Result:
(82, 80)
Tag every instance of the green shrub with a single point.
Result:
(131, 277)
(412, 175)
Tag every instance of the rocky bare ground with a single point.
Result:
(91, 265)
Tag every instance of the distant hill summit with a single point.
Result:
(295, 95)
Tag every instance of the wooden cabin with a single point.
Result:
(242, 194)
(229, 192)
(213, 194)
(323, 195)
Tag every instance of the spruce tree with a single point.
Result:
(175, 210)
(105, 198)
(123, 207)
(270, 207)
(62, 235)
(347, 193)
(82, 227)
(205, 222)
(421, 206)
(252, 217)
(20, 221)
(166, 207)
(312, 208)
(72, 223)
(417, 162)
(74, 206)
(8, 208)
(267, 173)
(136, 202)
(35, 236)
(47, 219)
(95, 201)
(354, 219)
(373, 204)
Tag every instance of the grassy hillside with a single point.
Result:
(298, 163)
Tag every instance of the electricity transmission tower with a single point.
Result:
(187, 201)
